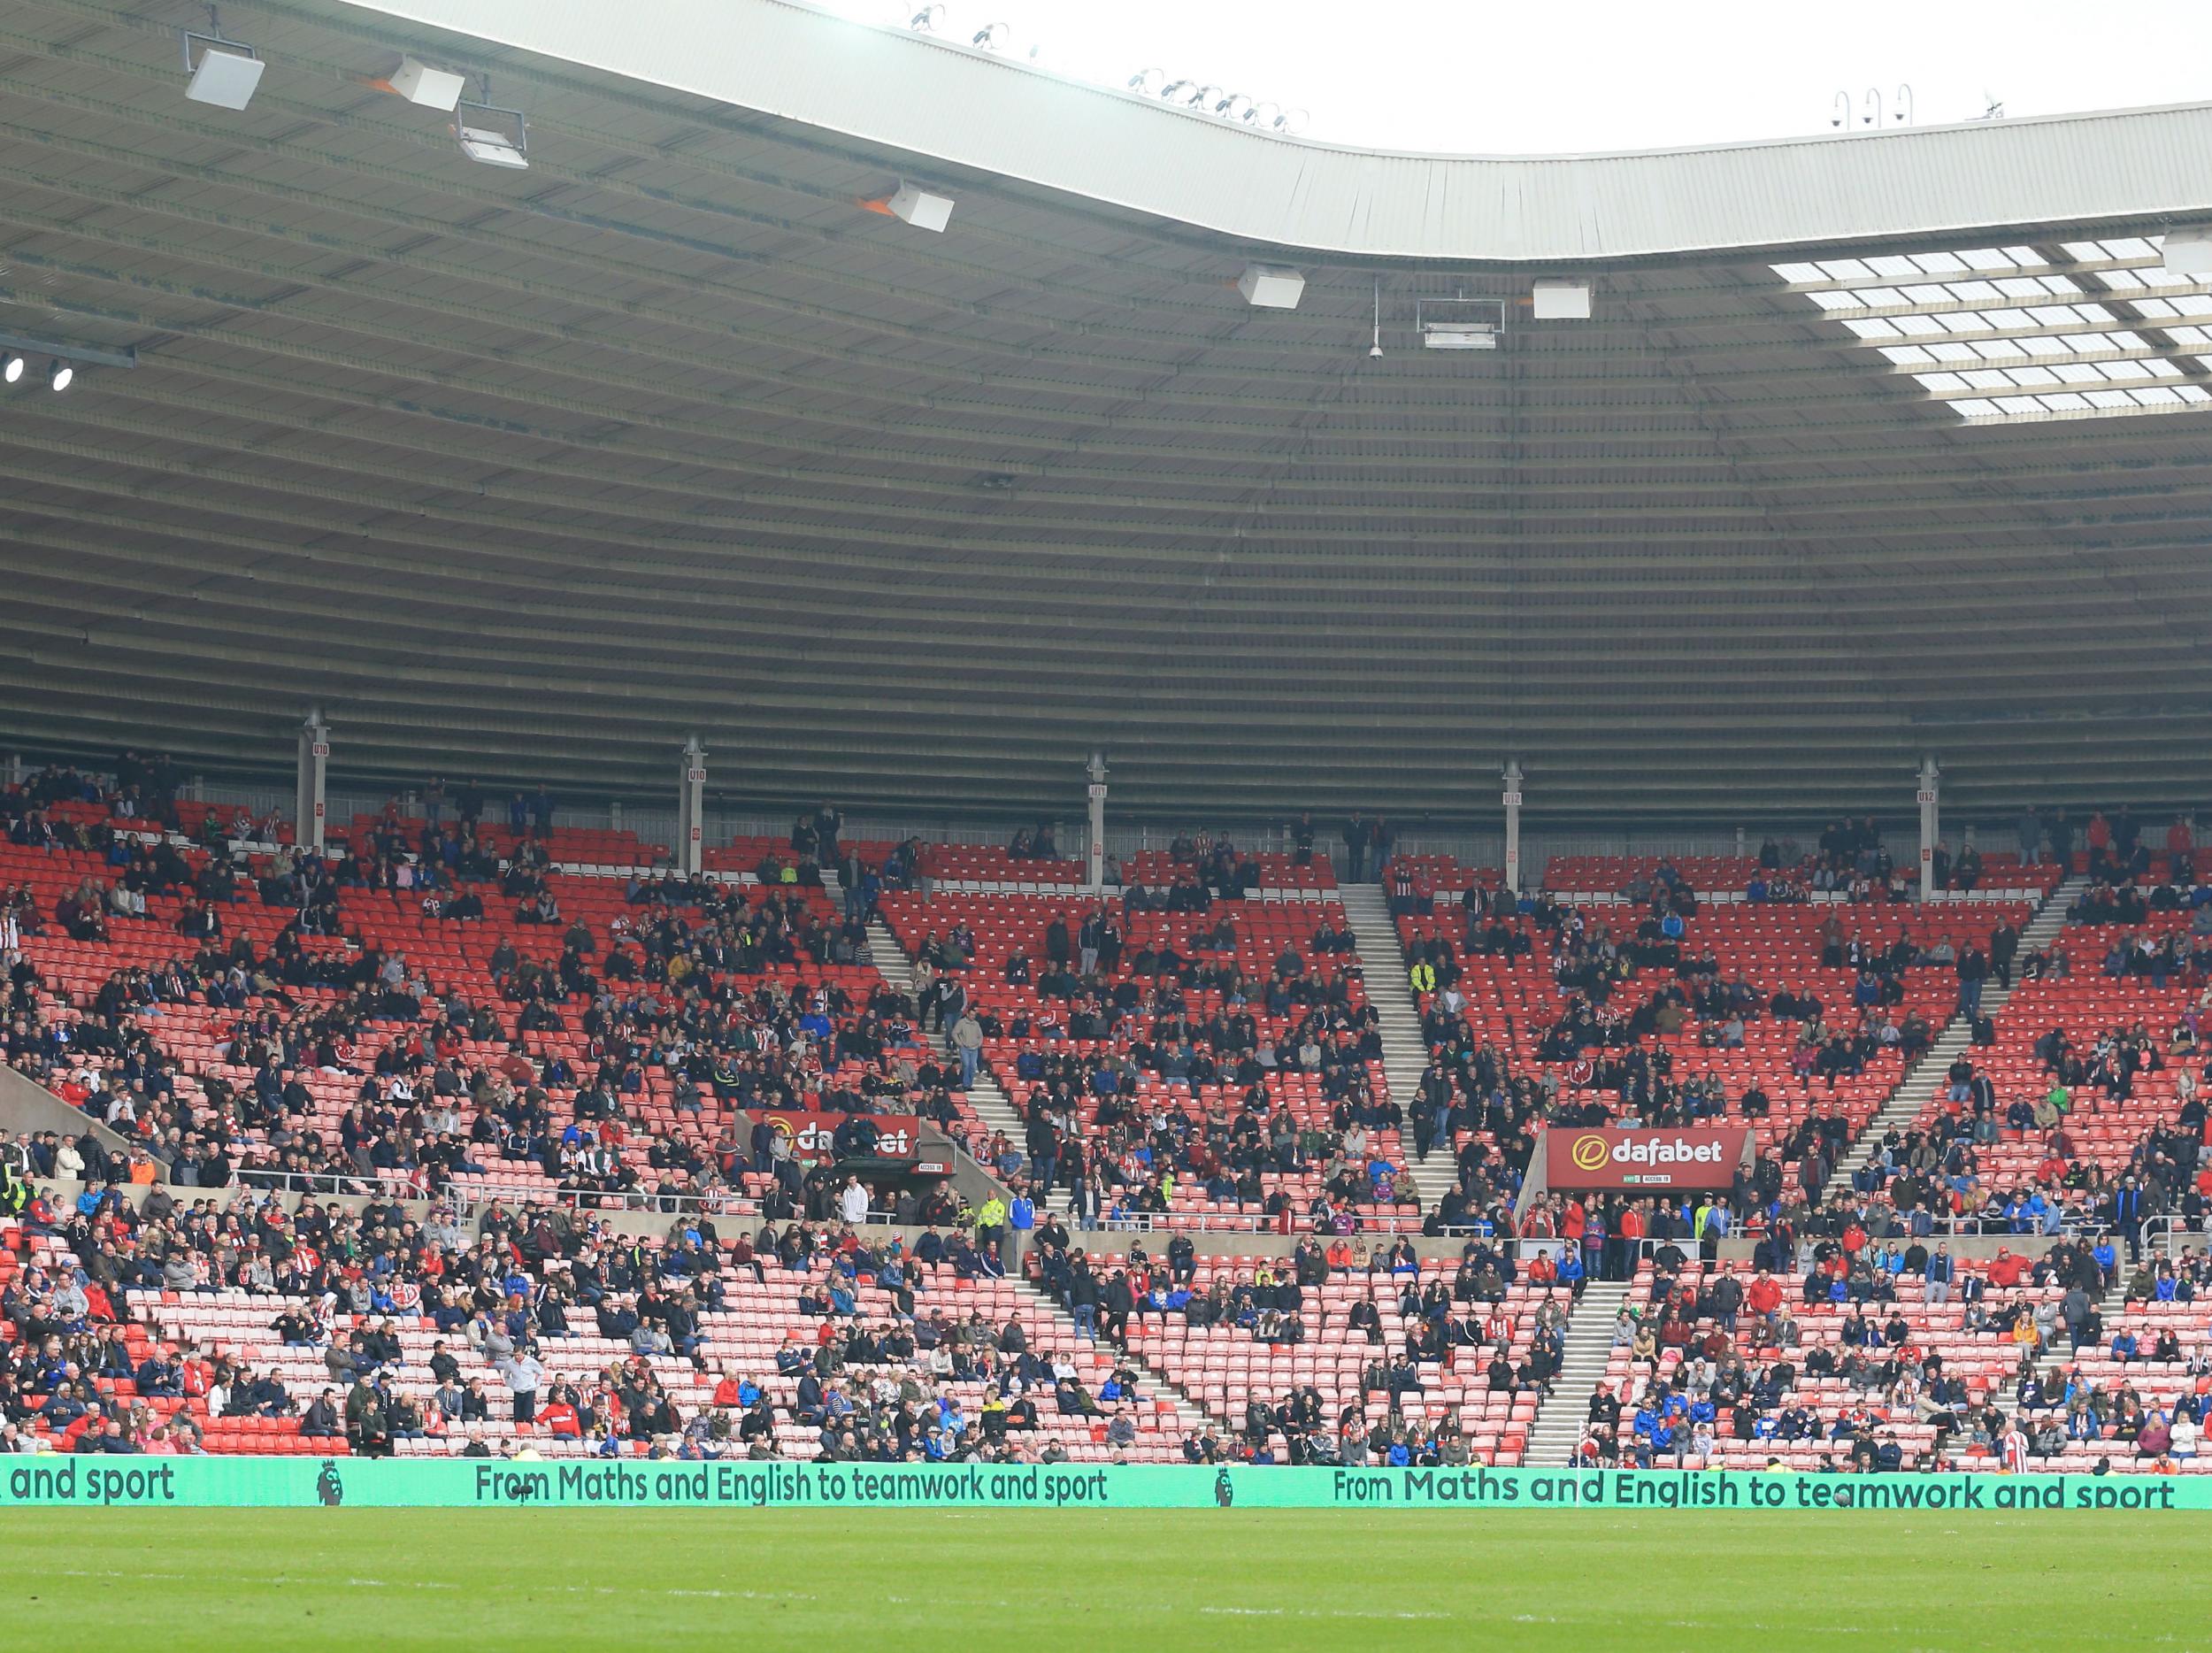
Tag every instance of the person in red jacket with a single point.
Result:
(1763, 1297)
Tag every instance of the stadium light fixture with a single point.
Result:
(227, 71)
(431, 89)
(992, 36)
(1561, 301)
(913, 205)
(493, 135)
(927, 20)
(62, 358)
(1147, 82)
(1461, 323)
(2187, 252)
(1271, 287)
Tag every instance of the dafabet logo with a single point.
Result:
(1589, 1152)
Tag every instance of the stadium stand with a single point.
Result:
(1194, 1055)
(238, 1327)
(376, 1022)
(1219, 1065)
(1339, 1354)
(1877, 1361)
(1799, 1018)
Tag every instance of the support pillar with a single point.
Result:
(1095, 859)
(691, 798)
(1931, 825)
(311, 803)
(1512, 798)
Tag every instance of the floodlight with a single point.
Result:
(1562, 301)
(496, 137)
(927, 20)
(920, 208)
(1460, 324)
(60, 376)
(12, 369)
(433, 89)
(226, 73)
(2187, 252)
(1271, 287)
(992, 36)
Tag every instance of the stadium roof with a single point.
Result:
(1872, 446)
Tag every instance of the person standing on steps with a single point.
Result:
(1358, 834)
(2004, 947)
(967, 1038)
(1432, 1117)
(1973, 970)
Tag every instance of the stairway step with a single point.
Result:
(1913, 1090)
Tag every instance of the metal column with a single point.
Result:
(1931, 825)
(1096, 859)
(691, 799)
(310, 804)
(1512, 799)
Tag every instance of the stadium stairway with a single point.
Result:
(1906, 1102)
(1404, 1056)
(992, 1104)
(1190, 1417)
(1557, 1430)
(890, 960)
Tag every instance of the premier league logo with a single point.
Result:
(329, 1487)
(1224, 1490)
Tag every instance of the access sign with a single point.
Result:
(1643, 1158)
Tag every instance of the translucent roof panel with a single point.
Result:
(1977, 327)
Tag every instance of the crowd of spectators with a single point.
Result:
(1720, 1358)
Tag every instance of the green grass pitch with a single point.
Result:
(969, 1580)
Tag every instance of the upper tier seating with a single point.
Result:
(1535, 1009)
(1168, 1091)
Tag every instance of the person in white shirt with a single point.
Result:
(852, 1204)
(2185, 1435)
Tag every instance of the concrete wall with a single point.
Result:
(26, 1108)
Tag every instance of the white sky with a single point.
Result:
(1541, 76)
